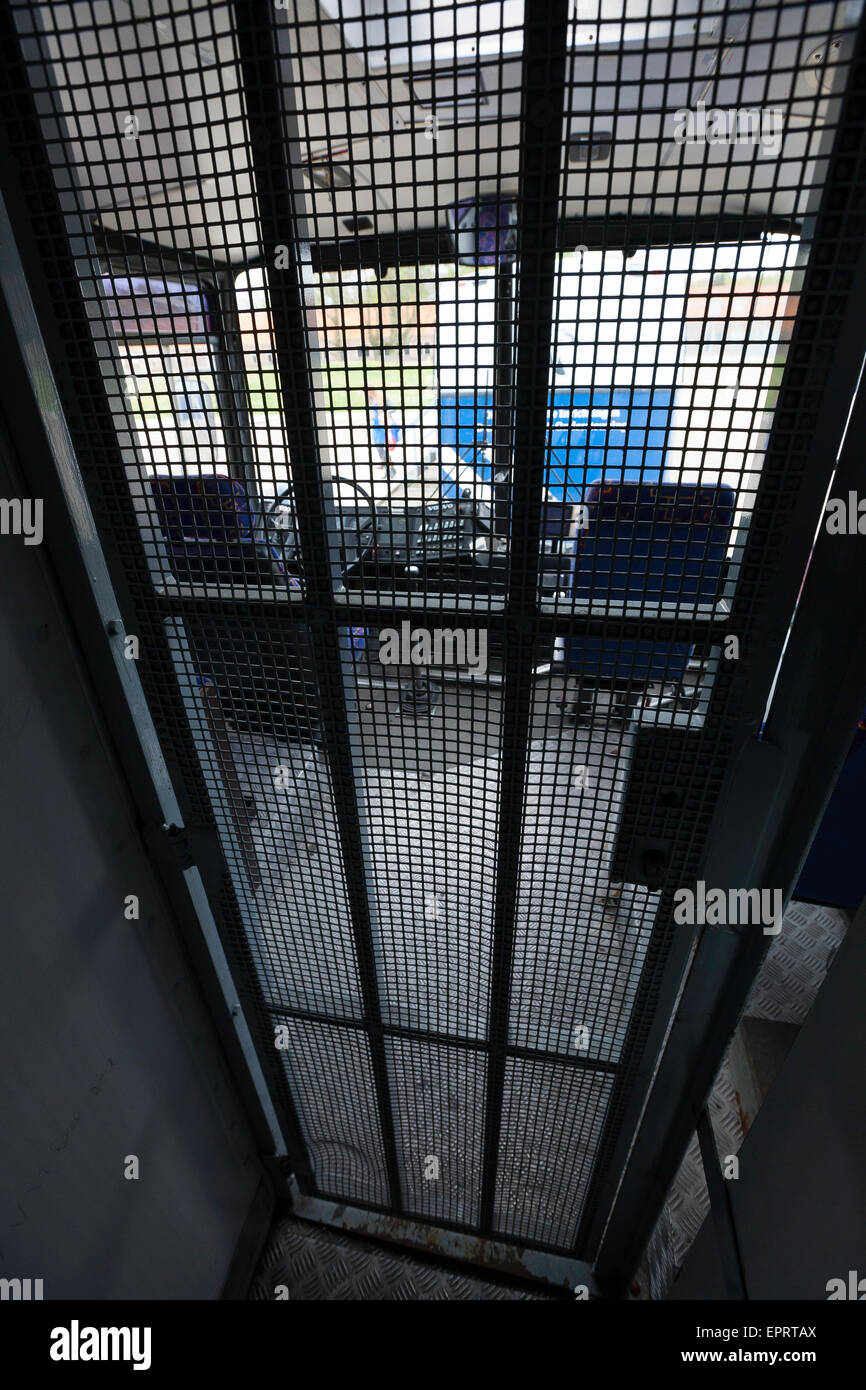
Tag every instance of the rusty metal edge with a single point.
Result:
(514, 1260)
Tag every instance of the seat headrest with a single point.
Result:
(212, 509)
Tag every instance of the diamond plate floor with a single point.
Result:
(796, 963)
(316, 1264)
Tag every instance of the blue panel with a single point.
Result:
(835, 870)
(592, 433)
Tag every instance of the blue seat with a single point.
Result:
(264, 678)
(647, 543)
(207, 526)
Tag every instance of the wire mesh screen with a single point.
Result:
(426, 401)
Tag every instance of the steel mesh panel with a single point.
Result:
(246, 694)
(303, 419)
(432, 907)
(429, 796)
(329, 1072)
(439, 1128)
(580, 936)
(551, 1126)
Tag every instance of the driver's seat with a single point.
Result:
(207, 526)
(265, 680)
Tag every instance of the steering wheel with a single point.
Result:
(287, 532)
(367, 532)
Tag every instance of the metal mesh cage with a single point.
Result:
(425, 368)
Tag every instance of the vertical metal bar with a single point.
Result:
(231, 393)
(503, 396)
(720, 1206)
(273, 134)
(543, 102)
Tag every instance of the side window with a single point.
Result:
(374, 357)
(664, 363)
(166, 349)
(665, 367)
(263, 395)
